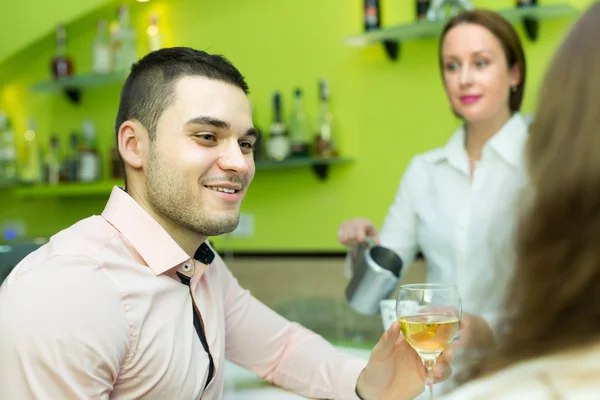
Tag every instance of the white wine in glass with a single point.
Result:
(429, 316)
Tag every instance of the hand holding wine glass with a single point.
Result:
(429, 316)
(395, 370)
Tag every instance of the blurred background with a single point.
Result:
(342, 113)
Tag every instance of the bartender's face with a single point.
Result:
(201, 163)
(477, 77)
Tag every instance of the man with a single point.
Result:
(105, 309)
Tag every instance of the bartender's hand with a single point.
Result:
(395, 370)
(474, 333)
(355, 231)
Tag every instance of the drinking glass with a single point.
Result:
(429, 316)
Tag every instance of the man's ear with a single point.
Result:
(133, 144)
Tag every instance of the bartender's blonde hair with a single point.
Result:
(554, 300)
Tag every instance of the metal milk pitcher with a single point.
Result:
(375, 275)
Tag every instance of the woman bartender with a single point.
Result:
(456, 204)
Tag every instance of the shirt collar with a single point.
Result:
(508, 143)
(158, 249)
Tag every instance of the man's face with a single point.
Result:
(200, 164)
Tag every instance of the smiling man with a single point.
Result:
(134, 304)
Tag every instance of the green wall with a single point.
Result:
(23, 22)
(385, 111)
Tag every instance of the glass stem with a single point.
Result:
(429, 364)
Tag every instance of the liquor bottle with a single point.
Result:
(299, 127)
(116, 165)
(372, 15)
(102, 52)
(124, 41)
(324, 144)
(155, 39)
(8, 152)
(62, 64)
(71, 162)
(52, 162)
(278, 147)
(89, 158)
(32, 167)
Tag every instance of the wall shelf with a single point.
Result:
(103, 188)
(319, 165)
(432, 29)
(74, 85)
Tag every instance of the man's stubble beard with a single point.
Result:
(172, 199)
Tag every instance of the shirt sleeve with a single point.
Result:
(63, 332)
(399, 229)
(282, 352)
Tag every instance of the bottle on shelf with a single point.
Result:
(372, 14)
(299, 127)
(123, 41)
(52, 167)
(89, 158)
(442, 10)
(116, 165)
(155, 38)
(71, 162)
(62, 64)
(526, 3)
(324, 142)
(102, 52)
(8, 152)
(32, 166)
(278, 146)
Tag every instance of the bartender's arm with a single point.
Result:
(399, 229)
(291, 356)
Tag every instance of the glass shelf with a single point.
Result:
(299, 162)
(320, 166)
(103, 188)
(431, 29)
(85, 81)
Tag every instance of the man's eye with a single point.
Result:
(205, 136)
(247, 147)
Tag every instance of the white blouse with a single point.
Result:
(462, 224)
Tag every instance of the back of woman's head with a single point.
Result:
(555, 295)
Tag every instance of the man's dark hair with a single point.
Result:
(150, 87)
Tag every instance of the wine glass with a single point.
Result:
(429, 316)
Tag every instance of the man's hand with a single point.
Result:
(395, 370)
(474, 332)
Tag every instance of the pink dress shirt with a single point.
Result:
(99, 313)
